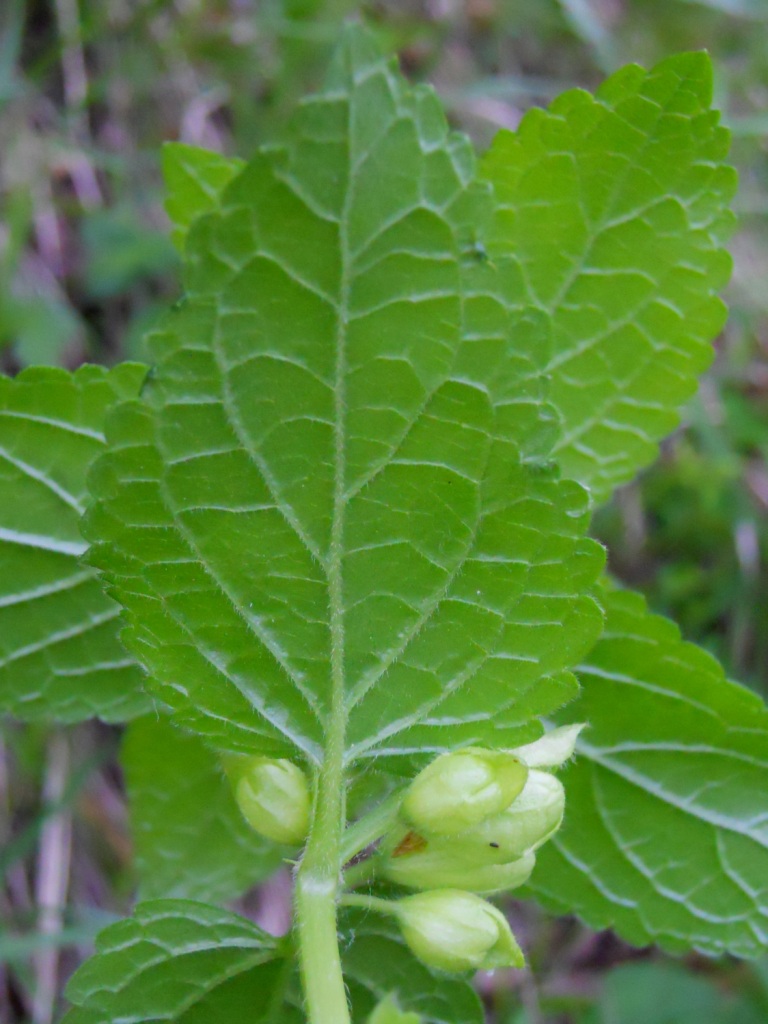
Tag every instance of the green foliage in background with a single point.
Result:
(61, 657)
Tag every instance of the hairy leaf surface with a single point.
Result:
(322, 489)
(666, 833)
(60, 657)
(612, 214)
(179, 961)
(190, 839)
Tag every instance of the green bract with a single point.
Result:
(460, 789)
(456, 931)
(273, 796)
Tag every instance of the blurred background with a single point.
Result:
(89, 89)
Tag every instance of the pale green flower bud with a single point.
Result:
(458, 790)
(528, 822)
(495, 878)
(553, 749)
(459, 862)
(457, 931)
(388, 1012)
(273, 796)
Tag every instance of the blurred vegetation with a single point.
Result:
(89, 90)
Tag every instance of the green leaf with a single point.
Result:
(60, 657)
(377, 965)
(613, 211)
(320, 489)
(180, 961)
(667, 993)
(190, 839)
(666, 831)
(194, 180)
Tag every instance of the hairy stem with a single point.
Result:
(317, 886)
(388, 907)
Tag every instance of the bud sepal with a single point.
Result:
(552, 749)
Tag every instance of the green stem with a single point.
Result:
(388, 907)
(319, 875)
(360, 874)
(370, 827)
(317, 886)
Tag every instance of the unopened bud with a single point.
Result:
(273, 796)
(528, 822)
(458, 790)
(457, 931)
(459, 862)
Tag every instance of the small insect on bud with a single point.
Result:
(528, 822)
(273, 796)
(457, 931)
(458, 790)
(456, 862)
(388, 1012)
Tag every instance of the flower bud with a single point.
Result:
(273, 796)
(459, 862)
(528, 822)
(388, 1012)
(457, 931)
(460, 789)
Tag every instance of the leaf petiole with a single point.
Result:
(360, 874)
(370, 827)
(388, 907)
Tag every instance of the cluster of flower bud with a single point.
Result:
(471, 823)
(474, 819)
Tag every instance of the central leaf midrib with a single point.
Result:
(335, 573)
